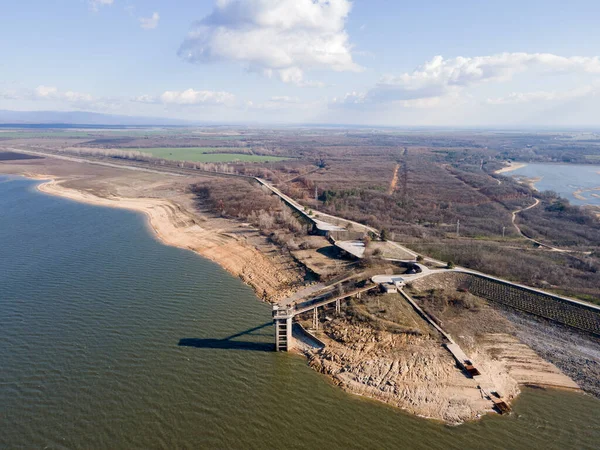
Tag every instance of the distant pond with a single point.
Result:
(580, 184)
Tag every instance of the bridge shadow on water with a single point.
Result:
(229, 343)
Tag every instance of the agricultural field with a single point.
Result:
(207, 154)
(37, 134)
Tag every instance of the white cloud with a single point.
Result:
(149, 23)
(192, 97)
(285, 99)
(61, 98)
(440, 76)
(351, 98)
(95, 5)
(10, 94)
(362, 99)
(46, 91)
(282, 102)
(544, 96)
(53, 93)
(189, 97)
(281, 37)
(145, 98)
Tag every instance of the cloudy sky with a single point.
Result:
(375, 62)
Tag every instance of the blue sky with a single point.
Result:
(432, 63)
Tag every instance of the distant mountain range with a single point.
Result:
(81, 118)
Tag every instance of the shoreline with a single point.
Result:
(578, 194)
(530, 182)
(174, 226)
(510, 168)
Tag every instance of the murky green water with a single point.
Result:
(110, 340)
(565, 179)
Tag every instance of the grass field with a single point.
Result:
(36, 134)
(234, 137)
(108, 132)
(90, 133)
(206, 154)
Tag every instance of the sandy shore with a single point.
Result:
(578, 194)
(175, 226)
(510, 168)
(530, 181)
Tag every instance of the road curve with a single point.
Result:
(541, 244)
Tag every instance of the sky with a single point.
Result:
(366, 62)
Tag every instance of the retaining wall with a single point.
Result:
(549, 306)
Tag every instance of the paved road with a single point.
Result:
(94, 162)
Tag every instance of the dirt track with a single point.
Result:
(394, 181)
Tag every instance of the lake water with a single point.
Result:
(565, 179)
(111, 340)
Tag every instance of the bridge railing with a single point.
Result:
(317, 303)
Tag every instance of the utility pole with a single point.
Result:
(458, 228)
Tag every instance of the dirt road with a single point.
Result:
(394, 181)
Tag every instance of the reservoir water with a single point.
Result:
(566, 179)
(111, 340)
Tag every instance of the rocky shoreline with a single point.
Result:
(412, 370)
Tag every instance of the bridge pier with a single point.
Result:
(283, 335)
(282, 319)
(338, 306)
(316, 318)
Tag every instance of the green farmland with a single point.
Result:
(206, 154)
(42, 134)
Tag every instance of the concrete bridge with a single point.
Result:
(283, 315)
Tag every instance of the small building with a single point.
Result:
(394, 280)
(388, 288)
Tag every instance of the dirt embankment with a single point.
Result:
(178, 227)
